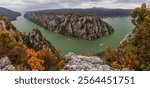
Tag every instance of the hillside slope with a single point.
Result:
(102, 12)
(11, 15)
(26, 52)
(134, 51)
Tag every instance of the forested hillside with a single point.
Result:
(11, 15)
(134, 51)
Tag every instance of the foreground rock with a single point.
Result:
(88, 63)
(5, 64)
(83, 26)
(85, 63)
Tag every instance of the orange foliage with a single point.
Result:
(36, 63)
(21, 56)
(61, 63)
(52, 60)
(17, 54)
(44, 60)
(6, 40)
(116, 65)
(33, 61)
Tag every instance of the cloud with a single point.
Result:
(132, 1)
(26, 5)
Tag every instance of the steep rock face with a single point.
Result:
(83, 26)
(37, 41)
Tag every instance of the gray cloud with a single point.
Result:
(132, 1)
(23, 5)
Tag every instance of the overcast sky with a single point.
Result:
(26, 5)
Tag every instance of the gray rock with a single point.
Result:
(37, 41)
(85, 63)
(128, 69)
(100, 68)
(106, 67)
(88, 63)
(9, 68)
(87, 26)
(5, 64)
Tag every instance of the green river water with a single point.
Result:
(121, 25)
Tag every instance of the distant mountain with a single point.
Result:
(103, 12)
(11, 15)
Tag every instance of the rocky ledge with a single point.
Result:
(87, 63)
(83, 26)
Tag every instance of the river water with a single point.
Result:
(121, 25)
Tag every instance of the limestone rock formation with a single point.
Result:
(5, 64)
(88, 63)
(85, 63)
(37, 41)
(83, 26)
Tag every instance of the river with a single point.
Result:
(121, 25)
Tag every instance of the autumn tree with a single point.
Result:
(139, 14)
(135, 52)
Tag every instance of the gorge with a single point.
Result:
(31, 51)
(70, 44)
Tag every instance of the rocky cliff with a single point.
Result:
(83, 26)
(26, 52)
(37, 41)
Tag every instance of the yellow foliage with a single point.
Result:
(36, 63)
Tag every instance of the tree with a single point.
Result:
(139, 14)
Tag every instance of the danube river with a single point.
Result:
(121, 25)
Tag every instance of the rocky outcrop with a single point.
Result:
(83, 26)
(37, 41)
(22, 52)
(85, 63)
(5, 64)
(2, 25)
(148, 7)
(88, 63)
